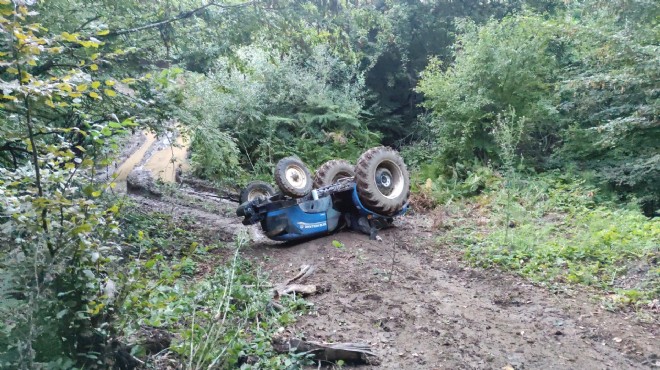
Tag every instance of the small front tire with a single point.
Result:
(293, 178)
(256, 189)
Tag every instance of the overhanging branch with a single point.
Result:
(180, 16)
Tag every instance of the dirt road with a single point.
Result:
(421, 308)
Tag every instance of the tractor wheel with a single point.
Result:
(332, 171)
(293, 177)
(383, 182)
(256, 189)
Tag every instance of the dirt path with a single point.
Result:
(162, 155)
(436, 313)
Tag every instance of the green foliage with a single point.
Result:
(55, 227)
(583, 80)
(464, 182)
(501, 66)
(309, 105)
(215, 155)
(217, 320)
(611, 97)
(405, 36)
(553, 230)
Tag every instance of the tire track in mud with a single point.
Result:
(161, 155)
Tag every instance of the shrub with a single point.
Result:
(273, 106)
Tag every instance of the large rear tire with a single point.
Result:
(383, 182)
(292, 177)
(332, 171)
(256, 189)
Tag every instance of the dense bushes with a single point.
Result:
(499, 67)
(583, 80)
(272, 105)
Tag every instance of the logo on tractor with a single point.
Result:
(314, 225)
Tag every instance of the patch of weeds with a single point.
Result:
(222, 320)
(552, 231)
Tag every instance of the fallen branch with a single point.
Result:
(350, 352)
(303, 289)
(206, 187)
(305, 272)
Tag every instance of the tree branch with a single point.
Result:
(8, 147)
(180, 16)
(86, 23)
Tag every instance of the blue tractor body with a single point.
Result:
(324, 211)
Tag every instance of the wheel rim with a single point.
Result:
(253, 194)
(389, 179)
(296, 177)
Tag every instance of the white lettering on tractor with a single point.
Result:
(314, 225)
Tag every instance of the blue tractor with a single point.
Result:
(365, 197)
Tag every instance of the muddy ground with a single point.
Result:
(421, 307)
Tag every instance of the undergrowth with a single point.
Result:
(178, 309)
(554, 229)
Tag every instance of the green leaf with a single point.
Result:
(61, 314)
(81, 229)
(337, 244)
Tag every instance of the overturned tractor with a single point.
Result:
(365, 197)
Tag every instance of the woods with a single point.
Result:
(531, 129)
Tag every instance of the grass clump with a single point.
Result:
(185, 304)
(559, 230)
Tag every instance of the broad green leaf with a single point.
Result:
(69, 37)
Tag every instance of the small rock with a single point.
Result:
(141, 181)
